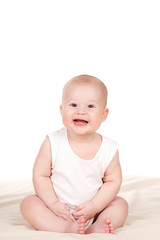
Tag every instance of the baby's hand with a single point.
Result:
(87, 210)
(62, 210)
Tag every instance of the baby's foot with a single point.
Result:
(76, 226)
(103, 226)
(81, 226)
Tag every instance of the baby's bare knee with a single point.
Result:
(27, 204)
(122, 203)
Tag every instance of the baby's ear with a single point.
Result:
(105, 114)
(60, 109)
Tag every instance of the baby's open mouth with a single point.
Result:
(80, 122)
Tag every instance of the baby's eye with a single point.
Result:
(73, 105)
(90, 106)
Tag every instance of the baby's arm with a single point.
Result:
(111, 184)
(43, 185)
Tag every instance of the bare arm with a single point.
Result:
(112, 182)
(43, 185)
(41, 175)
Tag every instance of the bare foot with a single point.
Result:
(103, 226)
(76, 227)
(81, 226)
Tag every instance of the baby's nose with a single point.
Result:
(81, 111)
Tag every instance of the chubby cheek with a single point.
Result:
(97, 125)
(66, 118)
(97, 120)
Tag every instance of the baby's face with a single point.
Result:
(83, 108)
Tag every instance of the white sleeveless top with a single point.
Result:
(76, 180)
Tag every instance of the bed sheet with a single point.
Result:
(143, 222)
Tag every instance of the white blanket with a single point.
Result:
(143, 222)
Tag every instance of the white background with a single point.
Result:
(45, 43)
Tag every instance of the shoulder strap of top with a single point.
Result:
(110, 147)
(56, 138)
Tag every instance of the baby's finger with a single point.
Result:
(66, 218)
(78, 214)
(76, 218)
(71, 217)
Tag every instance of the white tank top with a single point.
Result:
(76, 180)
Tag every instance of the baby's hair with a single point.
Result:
(88, 79)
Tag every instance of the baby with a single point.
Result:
(77, 173)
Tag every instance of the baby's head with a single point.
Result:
(84, 102)
(83, 81)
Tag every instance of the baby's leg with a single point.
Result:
(42, 218)
(112, 217)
